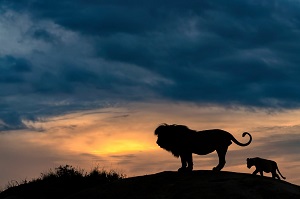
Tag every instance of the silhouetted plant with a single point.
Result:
(101, 174)
(14, 183)
(63, 173)
(60, 182)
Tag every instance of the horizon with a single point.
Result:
(123, 139)
(87, 83)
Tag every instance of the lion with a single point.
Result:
(264, 165)
(183, 142)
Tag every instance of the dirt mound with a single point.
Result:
(197, 184)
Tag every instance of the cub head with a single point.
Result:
(250, 162)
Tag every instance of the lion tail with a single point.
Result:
(242, 144)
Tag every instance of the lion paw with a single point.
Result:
(185, 170)
(182, 169)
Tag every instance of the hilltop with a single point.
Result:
(197, 184)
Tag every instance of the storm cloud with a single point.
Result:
(62, 56)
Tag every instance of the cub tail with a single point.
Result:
(280, 173)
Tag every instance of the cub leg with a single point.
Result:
(261, 173)
(255, 172)
(275, 175)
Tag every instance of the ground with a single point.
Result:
(197, 184)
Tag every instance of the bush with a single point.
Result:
(66, 172)
(60, 182)
(69, 173)
(100, 174)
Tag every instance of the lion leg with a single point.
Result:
(221, 153)
(186, 162)
(183, 163)
(190, 161)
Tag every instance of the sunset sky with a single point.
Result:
(86, 83)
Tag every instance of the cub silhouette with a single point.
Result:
(264, 165)
(182, 142)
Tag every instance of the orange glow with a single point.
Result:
(123, 138)
(123, 146)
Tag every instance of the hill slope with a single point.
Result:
(198, 184)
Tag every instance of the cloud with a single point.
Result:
(285, 146)
(13, 69)
(47, 70)
(228, 54)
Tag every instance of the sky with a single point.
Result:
(87, 82)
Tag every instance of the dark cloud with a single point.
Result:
(284, 145)
(13, 69)
(43, 35)
(237, 53)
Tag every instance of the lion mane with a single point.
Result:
(183, 142)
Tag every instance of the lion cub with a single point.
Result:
(264, 165)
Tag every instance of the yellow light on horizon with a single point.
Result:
(122, 146)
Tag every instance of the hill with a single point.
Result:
(197, 184)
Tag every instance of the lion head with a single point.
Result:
(171, 137)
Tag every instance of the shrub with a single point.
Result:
(61, 182)
(63, 173)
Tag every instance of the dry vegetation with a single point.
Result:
(71, 183)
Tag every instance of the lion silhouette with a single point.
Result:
(182, 142)
(264, 165)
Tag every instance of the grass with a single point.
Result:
(60, 182)
(71, 183)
